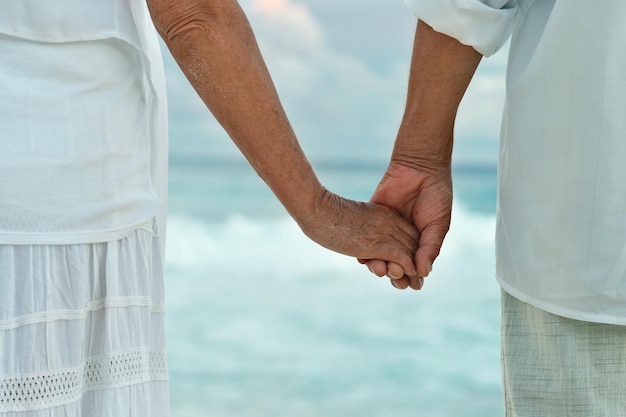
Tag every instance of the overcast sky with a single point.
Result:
(341, 70)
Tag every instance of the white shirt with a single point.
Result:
(82, 121)
(561, 213)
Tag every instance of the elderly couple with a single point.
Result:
(83, 171)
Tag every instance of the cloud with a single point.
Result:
(340, 106)
(276, 17)
(341, 70)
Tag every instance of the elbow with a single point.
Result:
(180, 19)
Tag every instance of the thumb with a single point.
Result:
(430, 243)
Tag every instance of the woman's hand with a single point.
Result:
(362, 230)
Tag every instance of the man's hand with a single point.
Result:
(424, 196)
(363, 230)
(418, 182)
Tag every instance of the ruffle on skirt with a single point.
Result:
(82, 330)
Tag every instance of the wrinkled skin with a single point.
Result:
(363, 230)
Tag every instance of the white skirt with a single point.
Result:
(82, 330)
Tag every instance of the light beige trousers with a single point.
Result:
(559, 367)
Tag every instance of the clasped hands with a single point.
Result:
(399, 233)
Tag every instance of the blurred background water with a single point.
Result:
(261, 321)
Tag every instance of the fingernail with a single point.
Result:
(420, 283)
(410, 272)
(392, 276)
(394, 284)
(429, 267)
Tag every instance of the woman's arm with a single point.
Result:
(215, 47)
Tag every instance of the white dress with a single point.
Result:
(82, 206)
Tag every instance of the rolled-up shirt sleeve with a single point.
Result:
(484, 25)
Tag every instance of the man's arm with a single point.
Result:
(213, 43)
(418, 181)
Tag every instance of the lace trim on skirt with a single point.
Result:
(35, 391)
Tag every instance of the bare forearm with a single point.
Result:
(441, 69)
(213, 44)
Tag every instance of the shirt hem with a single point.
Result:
(558, 310)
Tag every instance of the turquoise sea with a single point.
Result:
(263, 323)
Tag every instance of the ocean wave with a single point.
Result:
(264, 321)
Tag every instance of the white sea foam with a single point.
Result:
(264, 322)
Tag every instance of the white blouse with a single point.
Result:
(561, 212)
(82, 121)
